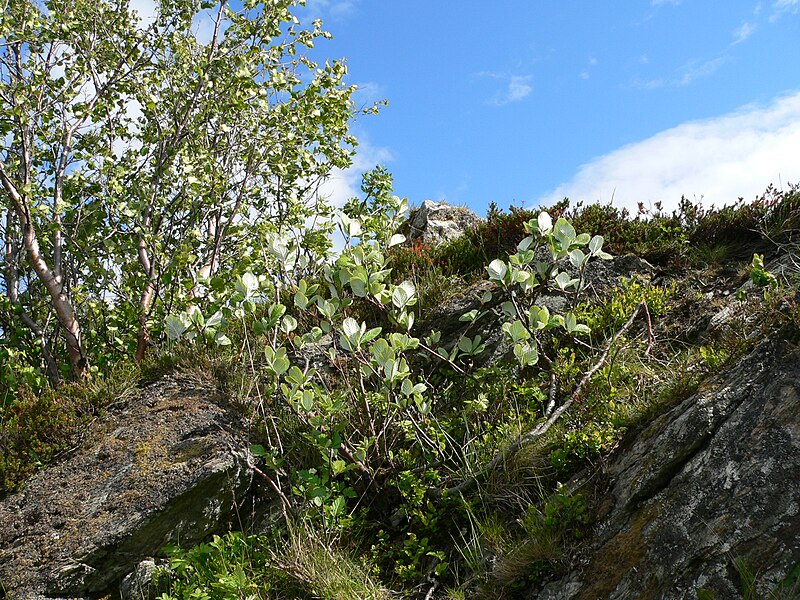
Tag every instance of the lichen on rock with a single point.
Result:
(170, 468)
(711, 481)
(437, 222)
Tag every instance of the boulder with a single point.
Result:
(140, 583)
(170, 468)
(438, 222)
(706, 491)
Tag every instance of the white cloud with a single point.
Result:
(780, 7)
(744, 31)
(333, 8)
(517, 87)
(591, 62)
(684, 75)
(720, 159)
(344, 184)
(694, 71)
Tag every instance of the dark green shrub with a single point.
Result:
(35, 429)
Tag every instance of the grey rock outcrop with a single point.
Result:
(140, 584)
(715, 479)
(170, 468)
(438, 222)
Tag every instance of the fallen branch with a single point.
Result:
(544, 426)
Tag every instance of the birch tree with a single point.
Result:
(139, 160)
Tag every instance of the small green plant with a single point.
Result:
(760, 276)
(714, 356)
(232, 566)
(37, 428)
(609, 315)
(564, 514)
(263, 567)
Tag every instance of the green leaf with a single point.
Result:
(582, 239)
(359, 287)
(545, 223)
(382, 352)
(247, 285)
(277, 360)
(520, 276)
(423, 406)
(288, 324)
(564, 232)
(196, 317)
(468, 317)
(295, 376)
(351, 328)
(222, 339)
(403, 295)
(526, 355)
(370, 335)
(517, 331)
(307, 400)
(497, 270)
(261, 327)
(276, 311)
(525, 243)
(326, 308)
(572, 326)
(406, 319)
(214, 319)
(564, 281)
(175, 327)
(577, 258)
(300, 300)
(538, 317)
(396, 369)
(397, 238)
(471, 346)
(596, 244)
(258, 450)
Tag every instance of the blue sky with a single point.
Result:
(526, 101)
